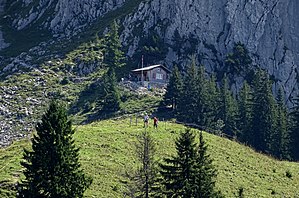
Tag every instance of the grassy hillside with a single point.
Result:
(107, 153)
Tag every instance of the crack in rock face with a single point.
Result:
(269, 30)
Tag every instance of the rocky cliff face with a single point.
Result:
(60, 16)
(3, 44)
(269, 29)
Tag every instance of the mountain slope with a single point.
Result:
(166, 31)
(269, 30)
(107, 152)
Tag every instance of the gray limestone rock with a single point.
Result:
(67, 16)
(3, 44)
(269, 29)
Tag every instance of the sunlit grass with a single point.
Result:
(107, 153)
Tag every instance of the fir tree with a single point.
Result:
(227, 108)
(205, 173)
(245, 113)
(187, 110)
(190, 173)
(110, 95)
(202, 98)
(238, 61)
(264, 114)
(295, 130)
(212, 102)
(178, 172)
(52, 167)
(174, 89)
(113, 55)
(282, 137)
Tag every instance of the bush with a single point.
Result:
(289, 174)
(64, 81)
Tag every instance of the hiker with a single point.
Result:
(145, 119)
(155, 122)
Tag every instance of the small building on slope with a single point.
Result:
(153, 74)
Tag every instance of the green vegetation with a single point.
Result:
(31, 36)
(152, 48)
(294, 125)
(252, 115)
(174, 89)
(264, 120)
(190, 173)
(111, 98)
(227, 108)
(142, 181)
(114, 57)
(238, 62)
(97, 28)
(52, 167)
(106, 151)
(188, 111)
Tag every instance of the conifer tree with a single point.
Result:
(245, 113)
(239, 60)
(227, 108)
(205, 173)
(201, 109)
(178, 171)
(264, 114)
(113, 55)
(295, 130)
(187, 110)
(212, 102)
(144, 179)
(190, 173)
(174, 89)
(52, 167)
(111, 96)
(282, 136)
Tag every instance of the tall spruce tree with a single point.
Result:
(113, 55)
(212, 103)
(202, 98)
(227, 108)
(264, 114)
(295, 130)
(245, 113)
(111, 96)
(174, 89)
(190, 173)
(178, 171)
(205, 172)
(187, 110)
(52, 167)
(282, 136)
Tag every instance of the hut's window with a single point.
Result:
(159, 76)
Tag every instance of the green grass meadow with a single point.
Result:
(107, 153)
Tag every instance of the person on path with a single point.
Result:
(155, 122)
(145, 119)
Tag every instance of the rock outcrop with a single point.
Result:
(269, 29)
(3, 44)
(64, 17)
